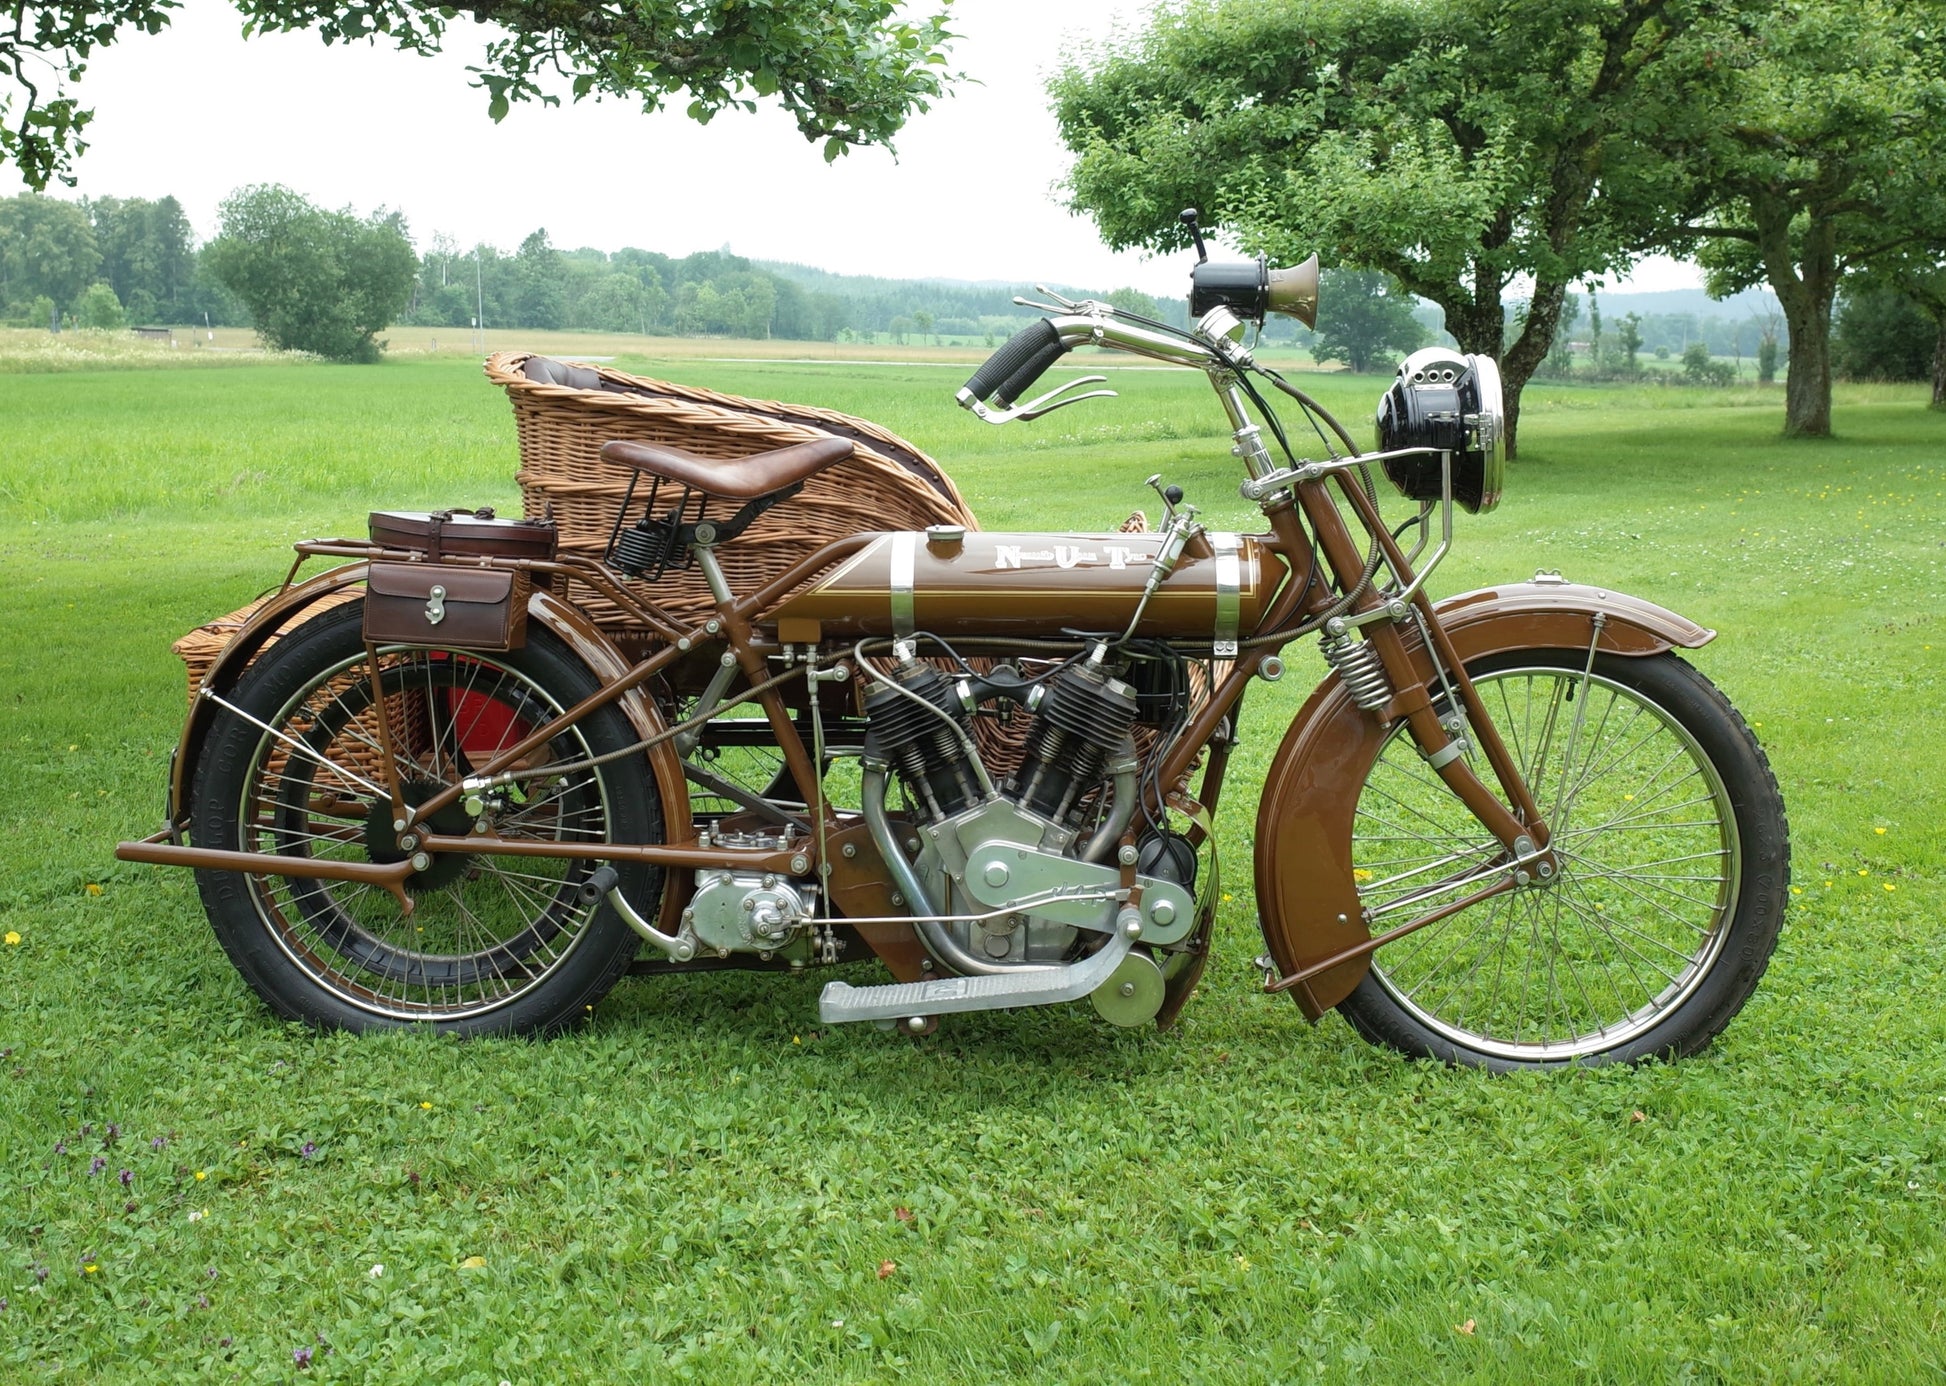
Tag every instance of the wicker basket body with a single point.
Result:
(563, 414)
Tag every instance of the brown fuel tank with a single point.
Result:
(987, 582)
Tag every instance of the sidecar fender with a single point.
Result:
(1307, 901)
(290, 607)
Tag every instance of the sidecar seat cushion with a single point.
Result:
(736, 478)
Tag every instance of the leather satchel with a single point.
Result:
(447, 606)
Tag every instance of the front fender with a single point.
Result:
(289, 607)
(1307, 901)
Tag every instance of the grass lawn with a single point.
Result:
(703, 1184)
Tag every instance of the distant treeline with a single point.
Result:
(56, 256)
(111, 262)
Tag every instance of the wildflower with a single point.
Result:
(1863, 871)
(886, 1268)
(302, 1356)
(425, 1106)
(89, 1267)
(60, 1147)
(40, 1274)
(473, 1263)
(158, 1142)
(97, 1165)
(13, 938)
(376, 1271)
(129, 1206)
(1243, 1262)
(1797, 890)
(202, 1301)
(1879, 831)
(1359, 873)
(310, 1149)
(1890, 886)
(210, 1272)
(127, 1177)
(198, 1214)
(201, 1175)
(111, 1134)
(92, 888)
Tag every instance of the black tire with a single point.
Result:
(495, 944)
(1674, 860)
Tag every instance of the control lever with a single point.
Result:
(1046, 404)
(1171, 494)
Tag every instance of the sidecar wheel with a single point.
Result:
(495, 944)
(1674, 870)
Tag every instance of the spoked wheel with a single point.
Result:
(1674, 865)
(501, 944)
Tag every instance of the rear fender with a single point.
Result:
(1307, 901)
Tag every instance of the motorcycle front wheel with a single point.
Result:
(1674, 867)
(494, 944)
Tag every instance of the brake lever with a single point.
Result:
(1046, 404)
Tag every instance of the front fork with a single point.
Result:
(1521, 830)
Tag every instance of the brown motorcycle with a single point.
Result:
(1511, 828)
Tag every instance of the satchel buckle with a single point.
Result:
(436, 606)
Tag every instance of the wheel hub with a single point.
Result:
(382, 840)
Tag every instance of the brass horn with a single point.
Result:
(1294, 291)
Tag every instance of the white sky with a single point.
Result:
(197, 112)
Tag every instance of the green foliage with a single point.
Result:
(98, 308)
(849, 72)
(1825, 150)
(1881, 334)
(47, 250)
(317, 281)
(1767, 352)
(1060, 1201)
(1364, 320)
(1699, 368)
(1454, 144)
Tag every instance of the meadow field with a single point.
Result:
(704, 1184)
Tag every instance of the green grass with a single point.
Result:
(702, 1184)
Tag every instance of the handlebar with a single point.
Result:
(1012, 370)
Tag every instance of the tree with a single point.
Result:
(312, 280)
(540, 284)
(1631, 340)
(1828, 154)
(47, 250)
(147, 254)
(849, 71)
(1454, 144)
(921, 323)
(1560, 354)
(1881, 334)
(98, 308)
(1362, 317)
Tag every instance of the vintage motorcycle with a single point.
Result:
(1511, 828)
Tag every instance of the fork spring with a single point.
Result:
(1359, 666)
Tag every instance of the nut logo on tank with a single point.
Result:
(1061, 556)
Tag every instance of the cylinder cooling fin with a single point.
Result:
(1083, 719)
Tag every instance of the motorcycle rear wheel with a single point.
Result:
(495, 944)
(1674, 868)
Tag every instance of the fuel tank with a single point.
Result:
(989, 582)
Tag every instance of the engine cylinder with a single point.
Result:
(1083, 719)
(908, 729)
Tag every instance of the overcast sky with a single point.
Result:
(197, 112)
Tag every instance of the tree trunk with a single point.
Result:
(1519, 362)
(1939, 365)
(1805, 282)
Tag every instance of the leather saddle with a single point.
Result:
(734, 478)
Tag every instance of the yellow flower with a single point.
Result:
(1359, 873)
(425, 1106)
(1864, 871)
(13, 939)
(1879, 831)
(1227, 897)
(1243, 1262)
(90, 1268)
(201, 1175)
(1890, 886)
(1797, 890)
(92, 888)
(473, 1263)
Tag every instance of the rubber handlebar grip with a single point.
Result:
(1022, 380)
(1019, 351)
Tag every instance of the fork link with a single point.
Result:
(1359, 665)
